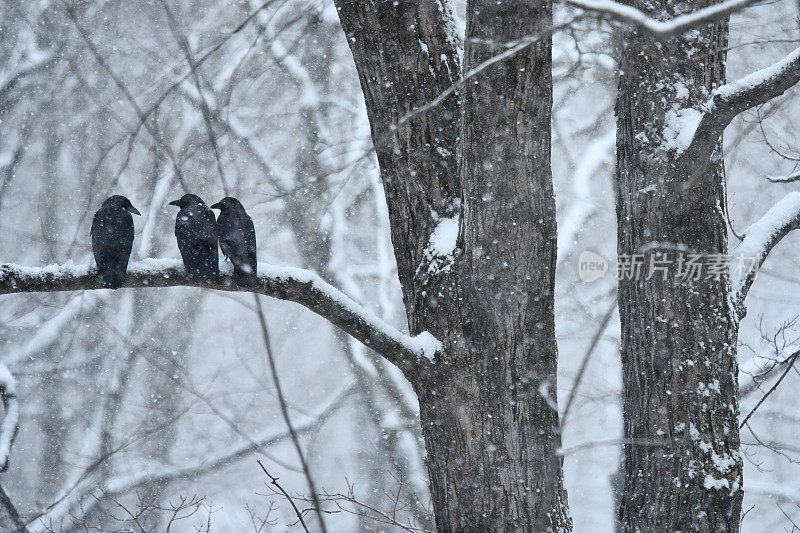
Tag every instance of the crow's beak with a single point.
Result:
(134, 211)
(217, 205)
(175, 202)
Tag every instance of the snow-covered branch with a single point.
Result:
(657, 28)
(286, 283)
(791, 178)
(733, 98)
(760, 238)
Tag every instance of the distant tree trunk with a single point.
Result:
(488, 404)
(682, 465)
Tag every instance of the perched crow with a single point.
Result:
(112, 240)
(237, 238)
(196, 230)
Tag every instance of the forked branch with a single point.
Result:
(733, 98)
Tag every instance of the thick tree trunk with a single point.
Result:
(487, 405)
(682, 465)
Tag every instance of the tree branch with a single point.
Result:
(733, 98)
(408, 353)
(660, 29)
(787, 364)
(760, 238)
(791, 178)
(273, 480)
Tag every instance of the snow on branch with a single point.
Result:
(760, 238)
(761, 85)
(791, 178)
(733, 98)
(10, 425)
(285, 283)
(656, 28)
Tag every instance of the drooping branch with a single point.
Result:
(732, 99)
(286, 283)
(51, 330)
(656, 28)
(760, 238)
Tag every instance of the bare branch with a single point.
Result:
(9, 517)
(297, 512)
(789, 363)
(152, 130)
(759, 369)
(660, 29)
(408, 353)
(585, 362)
(760, 238)
(748, 384)
(206, 112)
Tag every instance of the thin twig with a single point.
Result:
(274, 481)
(790, 363)
(585, 363)
(285, 412)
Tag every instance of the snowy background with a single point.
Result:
(150, 395)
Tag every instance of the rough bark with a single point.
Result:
(488, 404)
(682, 465)
(406, 54)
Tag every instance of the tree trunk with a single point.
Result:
(487, 405)
(682, 465)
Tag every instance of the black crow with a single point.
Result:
(112, 240)
(237, 238)
(196, 230)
